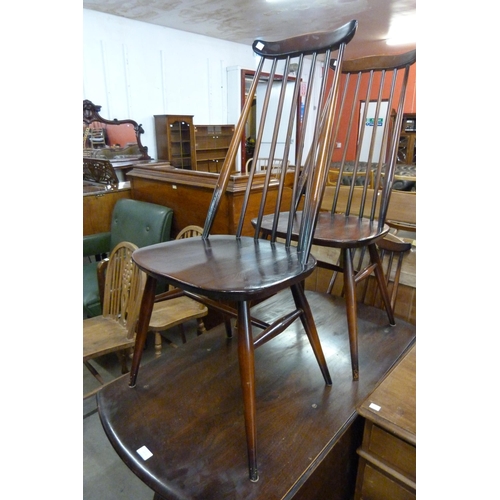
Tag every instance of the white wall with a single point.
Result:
(136, 70)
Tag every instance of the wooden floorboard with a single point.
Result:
(187, 410)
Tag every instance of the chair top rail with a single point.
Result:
(377, 63)
(306, 44)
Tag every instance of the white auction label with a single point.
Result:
(144, 453)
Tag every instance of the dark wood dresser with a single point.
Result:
(387, 463)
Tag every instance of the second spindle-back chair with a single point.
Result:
(363, 148)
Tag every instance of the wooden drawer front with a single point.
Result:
(390, 449)
(376, 485)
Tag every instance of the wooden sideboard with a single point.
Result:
(98, 203)
(387, 464)
(188, 193)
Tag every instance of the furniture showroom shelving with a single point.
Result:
(175, 140)
(212, 143)
(191, 147)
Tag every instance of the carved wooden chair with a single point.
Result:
(172, 306)
(175, 309)
(228, 272)
(114, 330)
(189, 232)
(367, 128)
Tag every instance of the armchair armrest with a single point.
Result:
(94, 244)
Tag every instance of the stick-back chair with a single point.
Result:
(366, 136)
(114, 329)
(228, 272)
(171, 307)
(189, 232)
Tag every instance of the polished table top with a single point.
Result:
(181, 429)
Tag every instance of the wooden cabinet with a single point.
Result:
(189, 193)
(98, 204)
(387, 464)
(407, 150)
(212, 143)
(175, 140)
(190, 147)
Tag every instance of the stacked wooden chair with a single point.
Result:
(114, 330)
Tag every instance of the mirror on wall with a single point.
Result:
(111, 139)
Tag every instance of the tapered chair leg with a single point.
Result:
(382, 283)
(247, 374)
(228, 327)
(352, 310)
(147, 304)
(310, 328)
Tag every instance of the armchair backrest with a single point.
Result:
(140, 222)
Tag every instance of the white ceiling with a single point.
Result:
(245, 20)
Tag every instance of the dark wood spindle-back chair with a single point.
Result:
(229, 272)
(360, 201)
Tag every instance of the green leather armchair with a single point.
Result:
(135, 221)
